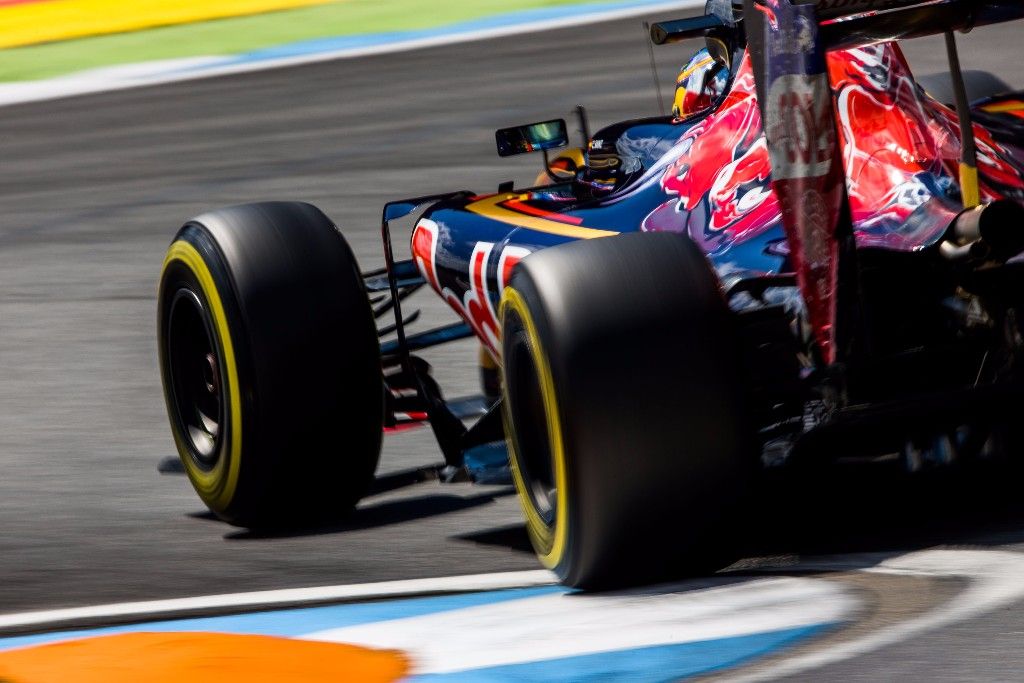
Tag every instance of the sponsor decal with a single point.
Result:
(720, 183)
(476, 305)
(799, 123)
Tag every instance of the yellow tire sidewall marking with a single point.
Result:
(216, 486)
(549, 542)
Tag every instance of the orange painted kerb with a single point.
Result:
(198, 658)
(28, 23)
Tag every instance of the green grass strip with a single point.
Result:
(243, 34)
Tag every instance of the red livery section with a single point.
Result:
(723, 166)
(902, 148)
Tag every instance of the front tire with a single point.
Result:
(270, 364)
(629, 437)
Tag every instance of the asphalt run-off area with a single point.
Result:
(99, 551)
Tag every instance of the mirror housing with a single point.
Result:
(665, 32)
(533, 137)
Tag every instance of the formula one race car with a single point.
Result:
(811, 259)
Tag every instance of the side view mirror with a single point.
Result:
(675, 31)
(533, 137)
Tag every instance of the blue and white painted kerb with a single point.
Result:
(519, 626)
(342, 47)
(547, 633)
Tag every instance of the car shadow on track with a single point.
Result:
(381, 514)
(864, 514)
(868, 510)
(512, 537)
(878, 510)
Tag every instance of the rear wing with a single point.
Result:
(851, 23)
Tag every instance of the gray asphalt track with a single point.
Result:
(93, 188)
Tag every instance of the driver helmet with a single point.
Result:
(699, 84)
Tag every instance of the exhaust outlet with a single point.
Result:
(992, 232)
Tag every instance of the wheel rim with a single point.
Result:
(529, 424)
(196, 384)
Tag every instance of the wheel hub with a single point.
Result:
(196, 387)
(211, 375)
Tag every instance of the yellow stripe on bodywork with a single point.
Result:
(43, 22)
(490, 208)
(549, 543)
(970, 189)
(215, 488)
(1003, 107)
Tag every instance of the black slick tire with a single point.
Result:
(270, 364)
(628, 432)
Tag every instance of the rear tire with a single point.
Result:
(628, 432)
(270, 364)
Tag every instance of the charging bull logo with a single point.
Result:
(902, 149)
(721, 179)
(898, 151)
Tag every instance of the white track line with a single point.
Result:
(551, 627)
(91, 82)
(996, 580)
(292, 596)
